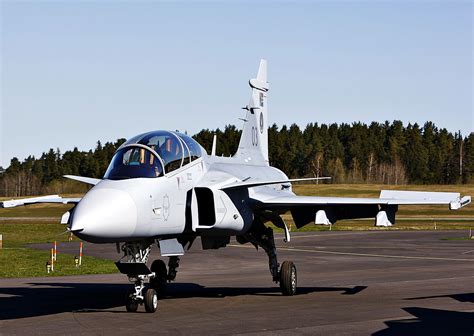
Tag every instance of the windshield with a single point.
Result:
(132, 162)
(176, 149)
(136, 158)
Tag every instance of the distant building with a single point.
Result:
(2, 170)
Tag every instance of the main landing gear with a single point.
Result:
(288, 278)
(285, 275)
(161, 276)
(133, 264)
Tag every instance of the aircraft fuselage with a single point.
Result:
(141, 208)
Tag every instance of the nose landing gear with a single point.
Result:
(133, 263)
(135, 297)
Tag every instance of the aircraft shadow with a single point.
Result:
(53, 298)
(188, 290)
(464, 297)
(431, 322)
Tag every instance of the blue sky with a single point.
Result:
(73, 72)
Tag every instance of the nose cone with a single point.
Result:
(104, 214)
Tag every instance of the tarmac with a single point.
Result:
(349, 283)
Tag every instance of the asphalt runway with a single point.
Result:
(349, 283)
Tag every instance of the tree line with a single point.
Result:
(36, 176)
(385, 153)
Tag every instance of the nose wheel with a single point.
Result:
(151, 300)
(134, 299)
(131, 303)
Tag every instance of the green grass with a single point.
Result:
(19, 234)
(36, 210)
(25, 262)
(16, 260)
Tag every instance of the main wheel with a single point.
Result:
(130, 303)
(151, 300)
(288, 278)
(158, 282)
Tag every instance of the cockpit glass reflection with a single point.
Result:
(194, 147)
(133, 162)
(174, 150)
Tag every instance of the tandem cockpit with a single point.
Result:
(153, 154)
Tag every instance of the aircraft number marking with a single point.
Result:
(254, 136)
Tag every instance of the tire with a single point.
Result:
(151, 300)
(288, 278)
(159, 281)
(130, 303)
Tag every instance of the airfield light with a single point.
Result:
(55, 251)
(48, 267)
(80, 254)
(76, 261)
(52, 259)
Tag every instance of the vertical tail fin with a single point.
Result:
(253, 145)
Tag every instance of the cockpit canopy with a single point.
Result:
(152, 154)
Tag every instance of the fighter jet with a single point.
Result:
(162, 188)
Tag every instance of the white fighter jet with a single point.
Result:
(161, 187)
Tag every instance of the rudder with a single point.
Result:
(253, 145)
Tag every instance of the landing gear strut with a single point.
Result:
(260, 235)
